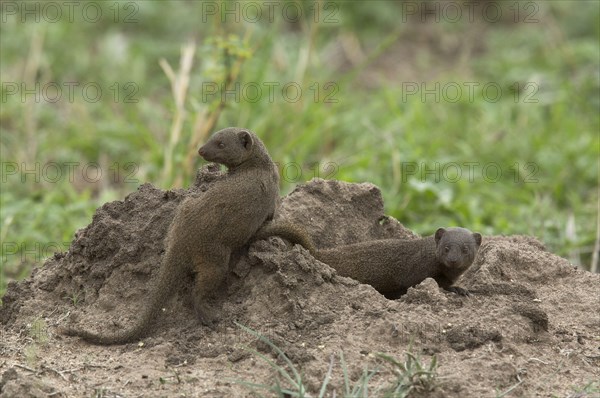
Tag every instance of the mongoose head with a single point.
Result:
(231, 147)
(456, 248)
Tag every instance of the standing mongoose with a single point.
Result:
(391, 266)
(207, 229)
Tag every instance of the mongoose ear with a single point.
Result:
(245, 139)
(438, 234)
(477, 237)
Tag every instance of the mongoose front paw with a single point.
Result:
(458, 290)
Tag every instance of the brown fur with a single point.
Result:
(287, 230)
(206, 230)
(392, 265)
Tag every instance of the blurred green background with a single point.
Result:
(479, 114)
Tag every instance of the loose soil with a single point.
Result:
(530, 324)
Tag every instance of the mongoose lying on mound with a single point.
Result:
(391, 266)
(206, 230)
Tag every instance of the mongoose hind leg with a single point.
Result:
(209, 276)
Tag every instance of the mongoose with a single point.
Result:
(287, 230)
(391, 266)
(207, 229)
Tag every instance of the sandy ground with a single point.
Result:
(531, 322)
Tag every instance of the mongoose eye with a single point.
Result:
(221, 145)
(446, 249)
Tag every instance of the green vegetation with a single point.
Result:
(38, 332)
(408, 376)
(518, 156)
(74, 298)
(589, 390)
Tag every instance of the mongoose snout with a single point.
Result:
(228, 147)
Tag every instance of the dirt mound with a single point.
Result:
(531, 321)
